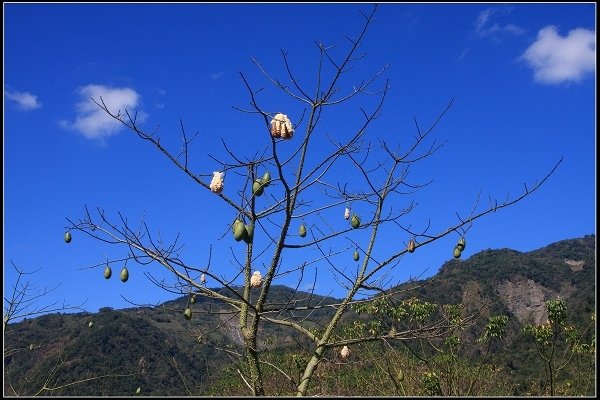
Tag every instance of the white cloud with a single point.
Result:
(484, 29)
(514, 29)
(25, 100)
(483, 18)
(94, 123)
(556, 59)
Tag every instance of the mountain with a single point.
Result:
(152, 348)
(519, 284)
(158, 351)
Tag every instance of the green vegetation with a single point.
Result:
(563, 350)
(477, 346)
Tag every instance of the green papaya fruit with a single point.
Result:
(124, 274)
(457, 252)
(249, 236)
(107, 272)
(302, 230)
(68, 237)
(239, 230)
(266, 179)
(355, 221)
(461, 244)
(258, 188)
(355, 255)
(400, 375)
(188, 313)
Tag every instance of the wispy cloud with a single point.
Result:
(161, 93)
(485, 28)
(556, 59)
(24, 100)
(217, 75)
(94, 123)
(483, 18)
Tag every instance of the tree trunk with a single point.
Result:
(253, 364)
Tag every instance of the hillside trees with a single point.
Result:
(25, 299)
(561, 345)
(299, 201)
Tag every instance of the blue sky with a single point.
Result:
(522, 77)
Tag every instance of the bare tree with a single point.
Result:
(291, 183)
(25, 300)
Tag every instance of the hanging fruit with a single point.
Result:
(281, 127)
(193, 299)
(216, 184)
(461, 244)
(356, 256)
(411, 246)
(249, 233)
(355, 221)
(258, 188)
(68, 237)
(400, 375)
(91, 324)
(239, 230)
(266, 179)
(124, 274)
(188, 313)
(203, 279)
(139, 389)
(107, 272)
(234, 225)
(457, 252)
(345, 352)
(302, 230)
(347, 213)
(256, 279)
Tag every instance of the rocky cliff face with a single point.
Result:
(526, 299)
(575, 265)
